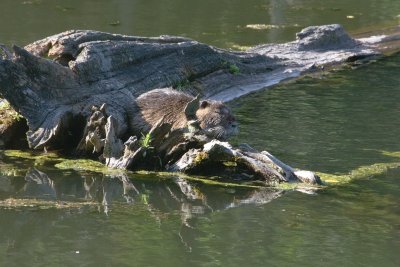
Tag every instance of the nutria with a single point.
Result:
(215, 118)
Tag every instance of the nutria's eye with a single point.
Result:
(204, 104)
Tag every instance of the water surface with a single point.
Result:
(334, 123)
(221, 23)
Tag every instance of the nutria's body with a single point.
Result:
(214, 117)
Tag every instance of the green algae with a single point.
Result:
(7, 114)
(83, 165)
(33, 155)
(363, 172)
(394, 154)
(233, 69)
(53, 159)
(40, 204)
(87, 165)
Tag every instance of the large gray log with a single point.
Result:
(91, 68)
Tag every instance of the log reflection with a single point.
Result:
(177, 194)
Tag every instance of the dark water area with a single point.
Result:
(342, 123)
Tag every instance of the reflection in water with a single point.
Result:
(38, 183)
(333, 124)
(163, 196)
(159, 198)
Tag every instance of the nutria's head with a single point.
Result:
(216, 120)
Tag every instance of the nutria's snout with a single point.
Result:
(234, 124)
(235, 128)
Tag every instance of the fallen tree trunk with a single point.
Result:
(91, 68)
(59, 82)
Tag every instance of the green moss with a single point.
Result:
(86, 165)
(201, 157)
(181, 85)
(34, 155)
(233, 69)
(55, 160)
(39, 158)
(7, 114)
(230, 163)
(4, 105)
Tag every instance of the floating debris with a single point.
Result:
(269, 26)
(262, 26)
(240, 47)
(34, 2)
(115, 23)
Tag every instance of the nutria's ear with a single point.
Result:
(191, 108)
(204, 104)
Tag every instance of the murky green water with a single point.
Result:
(221, 23)
(334, 123)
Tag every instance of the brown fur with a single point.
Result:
(214, 117)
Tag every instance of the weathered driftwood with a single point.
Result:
(91, 68)
(76, 89)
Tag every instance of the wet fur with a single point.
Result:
(214, 117)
